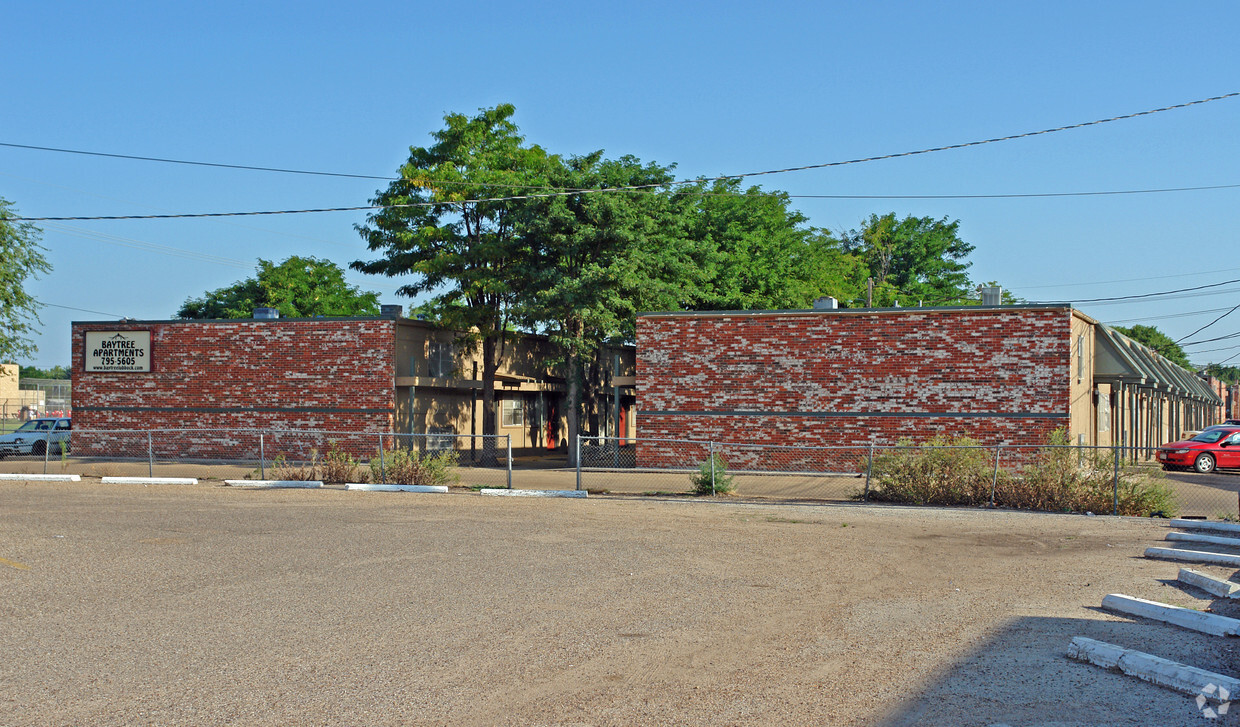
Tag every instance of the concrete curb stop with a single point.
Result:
(368, 487)
(1209, 584)
(1165, 673)
(1206, 525)
(42, 478)
(1206, 623)
(1207, 539)
(1193, 556)
(579, 494)
(149, 480)
(274, 484)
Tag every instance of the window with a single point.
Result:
(513, 412)
(440, 439)
(439, 360)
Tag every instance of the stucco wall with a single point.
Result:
(853, 378)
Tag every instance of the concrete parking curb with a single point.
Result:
(42, 478)
(149, 480)
(1209, 584)
(532, 493)
(367, 487)
(1206, 525)
(1199, 538)
(1165, 673)
(274, 484)
(1206, 623)
(1193, 556)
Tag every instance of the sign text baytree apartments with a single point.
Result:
(110, 351)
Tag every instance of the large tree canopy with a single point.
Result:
(912, 260)
(21, 261)
(1159, 341)
(299, 287)
(442, 231)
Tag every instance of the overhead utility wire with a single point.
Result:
(1143, 295)
(635, 186)
(363, 208)
(84, 310)
(730, 176)
(1216, 320)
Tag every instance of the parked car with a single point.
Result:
(1211, 449)
(37, 436)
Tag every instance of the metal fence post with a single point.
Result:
(262, 458)
(578, 460)
(712, 469)
(47, 447)
(869, 470)
(509, 438)
(382, 465)
(994, 481)
(150, 454)
(1115, 483)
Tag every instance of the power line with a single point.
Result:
(84, 310)
(1142, 319)
(565, 193)
(1143, 295)
(1216, 320)
(637, 186)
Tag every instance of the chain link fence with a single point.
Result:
(1055, 478)
(226, 454)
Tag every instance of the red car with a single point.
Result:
(1215, 447)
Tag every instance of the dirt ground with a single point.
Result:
(191, 605)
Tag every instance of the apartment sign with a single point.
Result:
(110, 351)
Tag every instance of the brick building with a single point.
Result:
(383, 374)
(1000, 374)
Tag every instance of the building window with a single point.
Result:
(440, 439)
(1080, 358)
(512, 412)
(439, 360)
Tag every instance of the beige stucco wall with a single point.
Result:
(1082, 407)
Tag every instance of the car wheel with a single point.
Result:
(1204, 463)
(38, 448)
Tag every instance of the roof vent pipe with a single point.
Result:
(826, 303)
(266, 314)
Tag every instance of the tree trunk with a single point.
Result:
(490, 365)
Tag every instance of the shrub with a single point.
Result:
(406, 467)
(339, 466)
(722, 480)
(944, 471)
(282, 468)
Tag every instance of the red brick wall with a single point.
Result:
(841, 378)
(282, 374)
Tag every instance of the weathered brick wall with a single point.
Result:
(283, 374)
(850, 379)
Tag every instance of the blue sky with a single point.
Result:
(717, 88)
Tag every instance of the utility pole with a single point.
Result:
(869, 292)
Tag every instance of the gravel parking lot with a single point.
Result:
(191, 605)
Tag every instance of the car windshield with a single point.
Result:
(36, 425)
(1210, 436)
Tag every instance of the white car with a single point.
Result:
(37, 437)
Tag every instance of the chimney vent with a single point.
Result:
(266, 314)
(390, 311)
(992, 295)
(826, 303)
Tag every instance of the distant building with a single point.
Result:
(1001, 374)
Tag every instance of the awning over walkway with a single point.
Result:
(1119, 359)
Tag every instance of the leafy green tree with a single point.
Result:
(1229, 374)
(55, 372)
(299, 287)
(440, 230)
(911, 260)
(598, 258)
(21, 260)
(1159, 342)
(763, 255)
